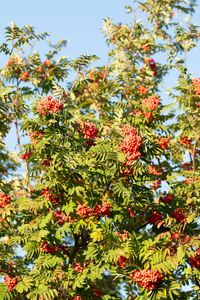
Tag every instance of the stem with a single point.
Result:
(185, 52)
(17, 133)
(18, 142)
(196, 281)
(7, 272)
(76, 246)
(193, 157)
(16, 126)
(106, 68)
(145, 224)
(2, 79)
(74, 81)
(31, 50)
(95, 101)
(85, 236)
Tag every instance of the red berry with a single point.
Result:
(148, 279)
(4, 199)
(11, 282)
(48, 104)
(131, 144)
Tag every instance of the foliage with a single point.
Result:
(91, 216)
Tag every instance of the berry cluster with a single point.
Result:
(156, 185)
(155, 217)
(45, 247)
(77, 267)
(122, 236)
(14, 60)
(172, 248)
(180, 236)
(11, 282)
(147, 115)
(46, 163)
(49, 197)
(130, 211)
(97, 210)
(97, 79)
(195, 261)
(128, 130)
(151, 62)
(25, 156)
(131, 144)
(163, 142)
(145, 48)
(47, 62)
(179, 216)
(89, 131)
(149, 279)
(35, 134)
(142, 90)
(59, 216)
(126, 171)
(83, 210)
(97, 292)
(191, 181)
(122, 29)
(62, 248)
(151, 103)
(175, 236)
(25, 76)
(196, 84)
(105, 209)
(69, 219)
(154, 171)
(49, 105)
(166, 199)
(197, 152)
(122, 260)
(186, 166)
(41, 73)
(152, 65)
(77, 298)
(185, 141)
(4, 199)
(98, 76)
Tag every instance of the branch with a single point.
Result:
(16, 126)
(145, 224)
(85, 236)
(76, 246)
(74, 81)
(196, 281)
(106, 68)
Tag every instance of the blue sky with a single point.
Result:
(78, 21)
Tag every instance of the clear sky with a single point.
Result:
(78, 21)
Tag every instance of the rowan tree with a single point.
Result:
(92, 214)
